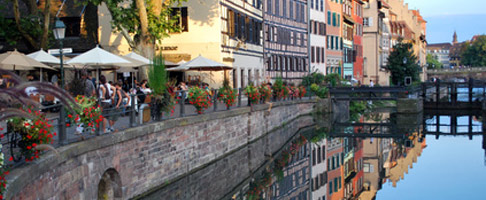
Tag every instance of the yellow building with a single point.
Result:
(226, 31)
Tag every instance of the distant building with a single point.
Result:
(441, 52)
(286, 39)
(455, 51)
(317, 33)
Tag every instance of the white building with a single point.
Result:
(317, 35)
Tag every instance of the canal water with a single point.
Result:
(380, 155)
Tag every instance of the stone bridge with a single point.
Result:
(478, 73)
(129, 163)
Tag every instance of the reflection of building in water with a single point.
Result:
(402, 158)
(335, 158)
(295, 182)
(319, 171)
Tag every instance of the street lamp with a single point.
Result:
(405, 60)
(59, 30)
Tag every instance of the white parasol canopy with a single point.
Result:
(201, 64)
(98, 57)
(44, 57)
(14, 60)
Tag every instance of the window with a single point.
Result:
(322, 5)
(330, 187)
(291, 9)
(339, 20)
(312, 55)
(73, 26)
(329, 17)
(335, 184)
(231, 23)
(312, 3)
(277, 7)
(181, 15)
(318, 60)
(284, 8)
(367, 168)
(269, 7)
(319, 148)
(317, 4)
(323, 148)
(334, 19)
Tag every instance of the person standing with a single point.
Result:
(371, 83)
(89, 88)
(107, 94)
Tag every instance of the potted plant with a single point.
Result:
(278, 88)
(199, 98)
(86, 114)
(252, 93)
(227, 95)
(265, 92)
(162, 97)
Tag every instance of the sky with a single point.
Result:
(467, 17)
(449, 168)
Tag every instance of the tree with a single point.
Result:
(432, 62)
(32, 27)
(143, 22)
(402, 63)
(475, 53)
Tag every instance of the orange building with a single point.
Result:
(334, 41)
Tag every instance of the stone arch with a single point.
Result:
(110, 185)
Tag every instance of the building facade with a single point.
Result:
(286, 39)
(348, 37)
(317, 32)
(357, 13)
(373, 61)
(334, 54)
(319, 170)
(440, 51)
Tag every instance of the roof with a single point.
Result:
(441, 46)
(419, 17)
(408, 33)
(385, 5)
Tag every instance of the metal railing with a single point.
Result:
(133, 115)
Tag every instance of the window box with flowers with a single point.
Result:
(199, 98)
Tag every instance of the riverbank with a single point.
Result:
(135, 160)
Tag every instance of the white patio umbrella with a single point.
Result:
(44, 57)
(135, 56)
(98, 58)
(14, 60)
(202, 64)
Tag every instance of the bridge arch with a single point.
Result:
(110, 185)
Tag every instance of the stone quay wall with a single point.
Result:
(130, 162)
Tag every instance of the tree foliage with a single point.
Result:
(432, 62)
(402, 63)
(315, 77)
(143, 22)
(475, 53)
(31, 27)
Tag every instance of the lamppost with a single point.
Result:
(404, 60)
(59, 30)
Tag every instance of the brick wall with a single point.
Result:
(148, 156)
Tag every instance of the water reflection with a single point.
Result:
(379, 156)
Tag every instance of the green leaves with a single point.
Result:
(157, 76)
(432, 62)
(126, 18)
(475, 53)
(402, 63)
